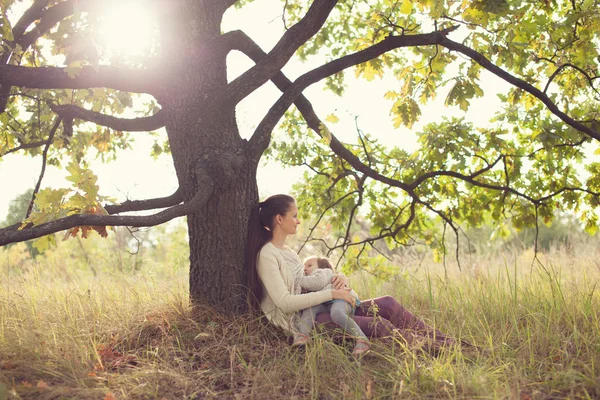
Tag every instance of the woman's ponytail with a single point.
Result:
(260, 231)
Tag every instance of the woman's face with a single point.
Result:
(289, 222)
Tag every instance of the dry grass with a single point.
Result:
(67, 334)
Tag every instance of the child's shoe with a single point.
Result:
(300, 339)
(361, 347)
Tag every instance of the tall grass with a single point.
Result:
(66, 332)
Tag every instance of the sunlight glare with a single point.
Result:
(126, 27)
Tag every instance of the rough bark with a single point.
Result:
(217, 246)
(208, 154)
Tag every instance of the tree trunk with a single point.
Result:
(208, 153)
(217, 246)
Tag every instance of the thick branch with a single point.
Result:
(13, 235)
(49, 18)
(229, 3)
(142, 205)
(137, 81)
(262, 135)
(513, 80)
(143, 124)
(272, 62)
(33, 13)
(293, 92)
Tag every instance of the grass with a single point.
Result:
(67, 333)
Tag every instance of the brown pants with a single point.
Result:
(384, 316)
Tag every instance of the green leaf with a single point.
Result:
(460, 94)
(325, 133)
(406, 112)
(74, 69)
(406, 7)
(44, 243)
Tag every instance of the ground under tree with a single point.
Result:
(522, 167)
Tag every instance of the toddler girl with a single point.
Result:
(318, 272)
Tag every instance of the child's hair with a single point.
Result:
(323, 263)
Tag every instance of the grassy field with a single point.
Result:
(66, 332)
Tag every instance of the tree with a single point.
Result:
(523, 165)
(17, 211)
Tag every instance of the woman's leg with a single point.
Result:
(341, 313)
(372, 327)
(388, 308)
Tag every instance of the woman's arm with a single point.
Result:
(270, 276)
(339, 281)
(317, 280)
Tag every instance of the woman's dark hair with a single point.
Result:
(260, 231)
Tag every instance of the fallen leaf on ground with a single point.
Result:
(42, 385)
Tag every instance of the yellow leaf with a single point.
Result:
(325, 133)
(390, 95)
(406, 7)
(529, 100)
(332, 118)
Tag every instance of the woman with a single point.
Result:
(273, 270)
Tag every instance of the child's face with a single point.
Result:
(310, 264)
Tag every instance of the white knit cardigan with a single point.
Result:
(280, 303)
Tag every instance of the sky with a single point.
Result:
(135, 175)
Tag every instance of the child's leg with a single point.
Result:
(341, 313)
(307, 318)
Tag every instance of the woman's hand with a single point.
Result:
(338, 281)
(343, 294)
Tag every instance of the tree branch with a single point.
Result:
(51, 17)
(262, 135)
(128, 80)
(513, 80)
(46, 18)
(13, 234)
(24, 146)
(144, 124)
(384, 233)
(589, 78)
(330, 206)
(293, 93)
(361, 189)
(142, 205)
(44, 159)
(228, 3)
(272, 62)
(428, 175)
(29, 17)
